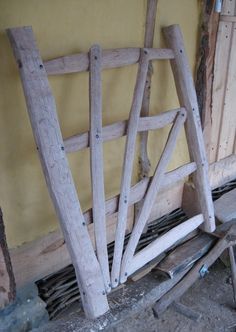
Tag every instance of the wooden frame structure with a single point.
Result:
(92, 269)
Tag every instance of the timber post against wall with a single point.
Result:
(42, 112)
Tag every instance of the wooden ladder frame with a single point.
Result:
(92, 269)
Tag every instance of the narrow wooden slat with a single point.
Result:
(119, 129)
(188, 99)
(128, 165)
(144, 162)
(228, 118)
(219, 84)
(96, 162)
(163, 243)
(112, 58)
(227, 18)
(151, 194)
(43, 116)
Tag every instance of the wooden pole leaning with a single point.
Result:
(128, 165)
(188, 99)
(96, 162)
(43, 116)
(150, 196)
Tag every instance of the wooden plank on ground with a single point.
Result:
(185, 255)
(7, 280)
(225, 207)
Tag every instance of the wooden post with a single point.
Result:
(7, 280)
(148, 42)
(96, 162)
(43, 116)
(128, 165)
(188, 99)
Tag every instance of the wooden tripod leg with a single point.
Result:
(43, 116)
(188, 99)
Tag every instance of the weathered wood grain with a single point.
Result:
(148, 42)
(128, 165)
(96, 162)
(112, 58)
(119, 129)
(162, 243)
(43, 116)
(150, 196)
(188, 99)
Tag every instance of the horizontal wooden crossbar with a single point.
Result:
(163, 242)
(118, 129)
(112, 58)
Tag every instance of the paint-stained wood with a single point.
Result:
(7, 279)
(188, 99)
(96, 162)
(43, 116)
(113, 58)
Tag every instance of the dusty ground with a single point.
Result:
(211, 296)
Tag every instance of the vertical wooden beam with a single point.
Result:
(7, 280)
(43, 116)
(205, 71)
(148, 43)
(188, 99)
(128, 165)
(96, 161)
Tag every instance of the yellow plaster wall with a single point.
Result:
(64, 27)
